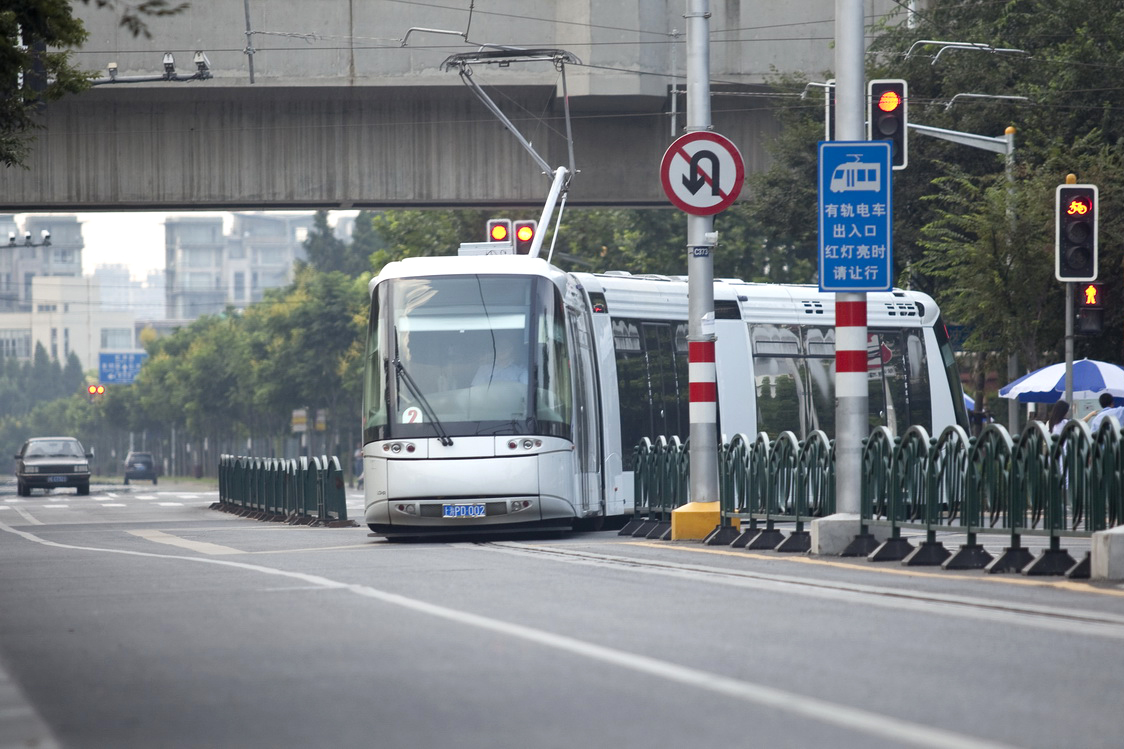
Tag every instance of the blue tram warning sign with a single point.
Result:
(855, 216)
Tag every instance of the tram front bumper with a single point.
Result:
(456, 495)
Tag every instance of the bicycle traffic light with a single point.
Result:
(499, 230)
(887, 117)
(1075, 245)
(1090, 309)
(524, 235)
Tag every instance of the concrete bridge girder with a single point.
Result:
(339, 147)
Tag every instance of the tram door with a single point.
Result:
(587, 421)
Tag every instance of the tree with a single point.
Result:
(329, 254)
(37, 38)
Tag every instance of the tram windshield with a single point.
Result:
(466, 355)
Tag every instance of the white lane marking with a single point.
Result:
(144, 496)
(56, 506)
(202, 547)
(27, 516)
(169, 504)
(113, 504)
(811, 708)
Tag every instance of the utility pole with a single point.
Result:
(700, 266)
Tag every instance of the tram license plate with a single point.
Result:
(56, 479)
(463, 511)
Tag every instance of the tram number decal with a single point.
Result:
(412, 415)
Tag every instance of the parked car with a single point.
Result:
(140, 466)
(52, 462)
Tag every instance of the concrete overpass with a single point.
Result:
(343, 104)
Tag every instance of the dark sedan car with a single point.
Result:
(140, 466)
(52, 462)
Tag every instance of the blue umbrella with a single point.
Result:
(1047, 385)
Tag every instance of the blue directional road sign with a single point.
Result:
(855, 216)
(119, 369)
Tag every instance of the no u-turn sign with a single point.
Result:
(702, 173)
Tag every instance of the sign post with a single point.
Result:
(702, 174)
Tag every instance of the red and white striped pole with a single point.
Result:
(703, 378)
(851, 396)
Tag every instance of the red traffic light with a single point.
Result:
(499, 230)
(96, 389)
(525, 236)
(1079, 206)
(889, 101)
(1076, 241)
(887, 117)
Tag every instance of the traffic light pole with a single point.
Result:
(1069, 343)
(840, 533)
(851, 396)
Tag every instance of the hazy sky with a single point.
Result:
(133, 239)
(136, 239)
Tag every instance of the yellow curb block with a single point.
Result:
(695, 520)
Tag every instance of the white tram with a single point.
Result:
(502, 393)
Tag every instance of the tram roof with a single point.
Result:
(666, 296)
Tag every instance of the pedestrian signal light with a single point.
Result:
(1075, 246)
(887, 119)
(524, 236)
(1090, 296)
(1090, 309)
(499, 230)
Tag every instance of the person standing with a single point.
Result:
(1059, 415)
(1105, 401)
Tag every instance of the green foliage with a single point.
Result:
(984, 251)
(50, 33)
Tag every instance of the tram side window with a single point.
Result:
(899, 381)
(794, 369)
(652, 377)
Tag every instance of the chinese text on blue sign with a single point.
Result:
(119, 369)
(855, 216)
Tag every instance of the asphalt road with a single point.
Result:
(139, 617)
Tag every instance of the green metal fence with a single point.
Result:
(660, 483)
(1069, 485)
(300, 491)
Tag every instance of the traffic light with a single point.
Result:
(95, 390)
(524, 236)
(499, 230)
(1090, 309)
(1075, 246)
(887, 117)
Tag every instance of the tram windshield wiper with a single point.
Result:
(442, 436)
